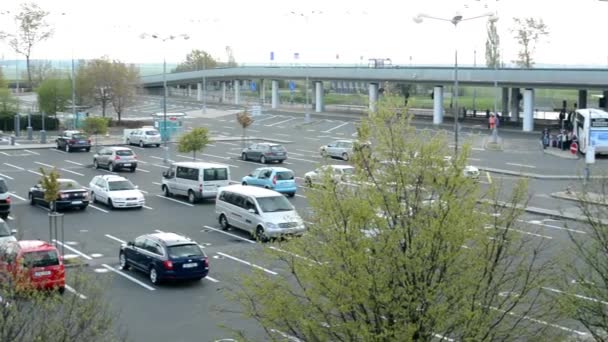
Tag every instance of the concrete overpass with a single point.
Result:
(509, 79)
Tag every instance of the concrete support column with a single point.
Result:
(199, 92)
(438, 105)
(223, 91)
(318, 96)
(275, 94)
(262, 92)
(373, 97)
(237, 91)
(514, 104)
(189, 90)
(528, 110)
(605, 100)
(582, 98)
(505, 103)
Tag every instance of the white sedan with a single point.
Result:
(116, 192)
(338, 173)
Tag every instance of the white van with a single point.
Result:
(197, 180)
(264, 213)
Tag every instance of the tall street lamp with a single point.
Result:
(455, 21)
(166, 133)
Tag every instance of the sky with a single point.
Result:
(320, 31)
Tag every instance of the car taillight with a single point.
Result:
(274, 180)
(8, 199)
(206, 262)
(116, 157)
(168, 265)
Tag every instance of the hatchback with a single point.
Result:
(279, 179)
(115, 158)
(165, 256)
(265, 152)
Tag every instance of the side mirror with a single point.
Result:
(251, 211)
(130, 243)
(13, 231)
(250, 175)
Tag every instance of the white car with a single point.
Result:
(469, 171)
(116, 192)
(339, 173)
(144, 136)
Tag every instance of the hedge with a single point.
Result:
(7, 122)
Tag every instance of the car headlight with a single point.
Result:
(271, 225)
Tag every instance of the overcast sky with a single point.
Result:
(348, 30)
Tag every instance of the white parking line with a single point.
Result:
(121, 273)
(315, 139)
(73, 172)
(283, 134)
(6, 154)
(247, 263)
(115, 238)
(174, 200)
(142, 170)
(280, 122)
(340, 125)
(306, 160)
(141, 161)
(17, 196)
(293, 254)
(159, 158)
(308, 151)
(227, 143)
(43, 164)
(212, 279)
(73, 162)
(230, 234)
(15, 166)
(575, 295)
(149, 208)
(301, 196)
(538, 223)
(156, 183)
(71, 289)
(104, 170)
(98, 208)
(535, 320)
(10, 218)
(268, 118)
(522, 165)
(59, 151)
(228, 127)
(73, 249)
(5, 176)
(159, 165)
(32, 152)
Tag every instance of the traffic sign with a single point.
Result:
(292, 85)
(252, 85)
(272, 55)
(573, 147)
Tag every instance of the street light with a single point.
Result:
(455, 21)
(166, 134)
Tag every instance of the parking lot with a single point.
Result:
(95, 235)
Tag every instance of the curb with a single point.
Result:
(562, 155)
(536, 175)
(560, 195)
(545, 212)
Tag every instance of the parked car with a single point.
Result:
(264, 152)
(279, 179)
(5, 199)
(165, 256)
(116, 192)
(469, 171)
(343, 149)
(33, 263)
(71, 195)
(338, 173)
(6, 233)
(263, 213)
(144, 136)
(115, 158)
(197, 180)
(73, 140)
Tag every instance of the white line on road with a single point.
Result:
(315, 139)
(580, 333)
(174, 200)
(247, 263)
(6, 154)
(73, 249)
(521, 165)
(15, 166)
(280, 122)
(228, 127)
(73, 172)
(145, 162)
(115, 238)
(43, 164)
(538, 223)
(340, 125)
(283, 134)
(73, 162)
(306, 160)
(293, 254)
(19, 197)
(5, 176)
(229, 234)
(108, 171)
(156, 183)
(98, 208)
(212, 155)
(158, 165)
(575, 295)
(212, 279)
(270, 117)
(58, 151)
(301, 196)
(308, 151)
(10, 217)
(142, 170)
(146, 286)
(474, 159)
(71, 289)
(32, 152)
(159, 158)
(35, 172)
(227, 143)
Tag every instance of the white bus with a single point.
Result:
(591, 129)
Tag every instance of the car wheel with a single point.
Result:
(191, 196)
(110, 204)
(95, 164)
(128, 142)
(133, 169)
(280, 161)
(32, 201)
(323, 153)
(58, 146)
(4, 216)
(93, 198)
(224, 222)
(166, 191)
(244, 183)
(122, 260)
(263, 160)
(61, 290)
(141, 144)
(345, 156)
(88, 149)
(157, 145)
(260, 234)
(84, 207)
(154, 276)
(67, 148)
(244, 156)
(111, 167)
(291, 194)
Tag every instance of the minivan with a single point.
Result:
(197, 180)
(264, 213)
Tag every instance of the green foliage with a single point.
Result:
(50, 184)
(492, 45)
(194, 141)
(95, 125)
(7, 122)
(54, 95)
(8, 103)
(197, 60)
(528, 32)
(123, 84)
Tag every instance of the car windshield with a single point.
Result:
(184, 251)
(348, 171)
(285, 175)
(124, 153)
(120, 185)
(3, 187)
(69, 185)
(4, 229)
(152, 133)
(40, 259)
(274, 203)
(79, 136)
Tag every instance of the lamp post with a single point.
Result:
(165, 136)
(455, 21)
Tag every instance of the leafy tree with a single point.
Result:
(197, 60)
(405, 89)
(492, 45)
(245, 120)
(50, 184)
(403, 252)
(194, 141)
(123, 84)
(41, 71)
(54, 95)
(94, 82)
(95, 126)
(32, 29)
(528, 32)
(230, 54)
(8, 103)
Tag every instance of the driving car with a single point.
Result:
(5, 199)
(343, 149)
(116, 192)
(33, 263)
(73, 140)
(338, 173)
(144, 136)
(71, 195)
(165, 256)
(264, 152)
(115, 158)
(6, 233)
(279, 179)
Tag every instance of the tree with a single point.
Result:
(403, 253)
(8, 103)
(54, 95)
(94, 82)
(528, 32)
(32, 29)
(194, 141)
(492, 45)
(245, 120)
(95, 126)
(405, 89)
(41, 71)
(123, 84)
(50, 183)
(231, 60)
(197, 60)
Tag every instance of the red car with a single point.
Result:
(33, 262)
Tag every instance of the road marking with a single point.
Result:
(19, 197)
(227, 143)
(315, 139)
(115, 238)
(74, 172)
(301, 196)
(523, 232)
(10, 218)
(5, 176)
(59, 151)
(311, 130)
(43, 164)
(98, 208)
(247, 263)
(146, 286)
(294, 254)
(522, 165)
(32, 152)
(280, 122)
(6, 154)
(174, 200)
(71, 289)
(228, 127)
(163, 166)
(270, 117)
(535, 320)
(538, 223)
(283, 134)
(108, 171)
(575, 295)
(35, 172)
(489, 177)
(142, 170)
(141, 161)
(73, 162)
(474, 159)
(212, 279)
(340, 125)
(308, 151)
(230, 234)
(73, 249)
(306, 160)
(159, 158)
(15, 166)
(477, 149)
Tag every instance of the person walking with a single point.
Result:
(492, 122)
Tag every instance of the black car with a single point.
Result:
(71, 195)
(165, 256)
(73, 140)
(5, 200)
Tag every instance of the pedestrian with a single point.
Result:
(497, 120)
(488, 117)
(545, 138)
(492, 122)
(562, 116)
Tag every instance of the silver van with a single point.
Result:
(197, 180)
(264, 213)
